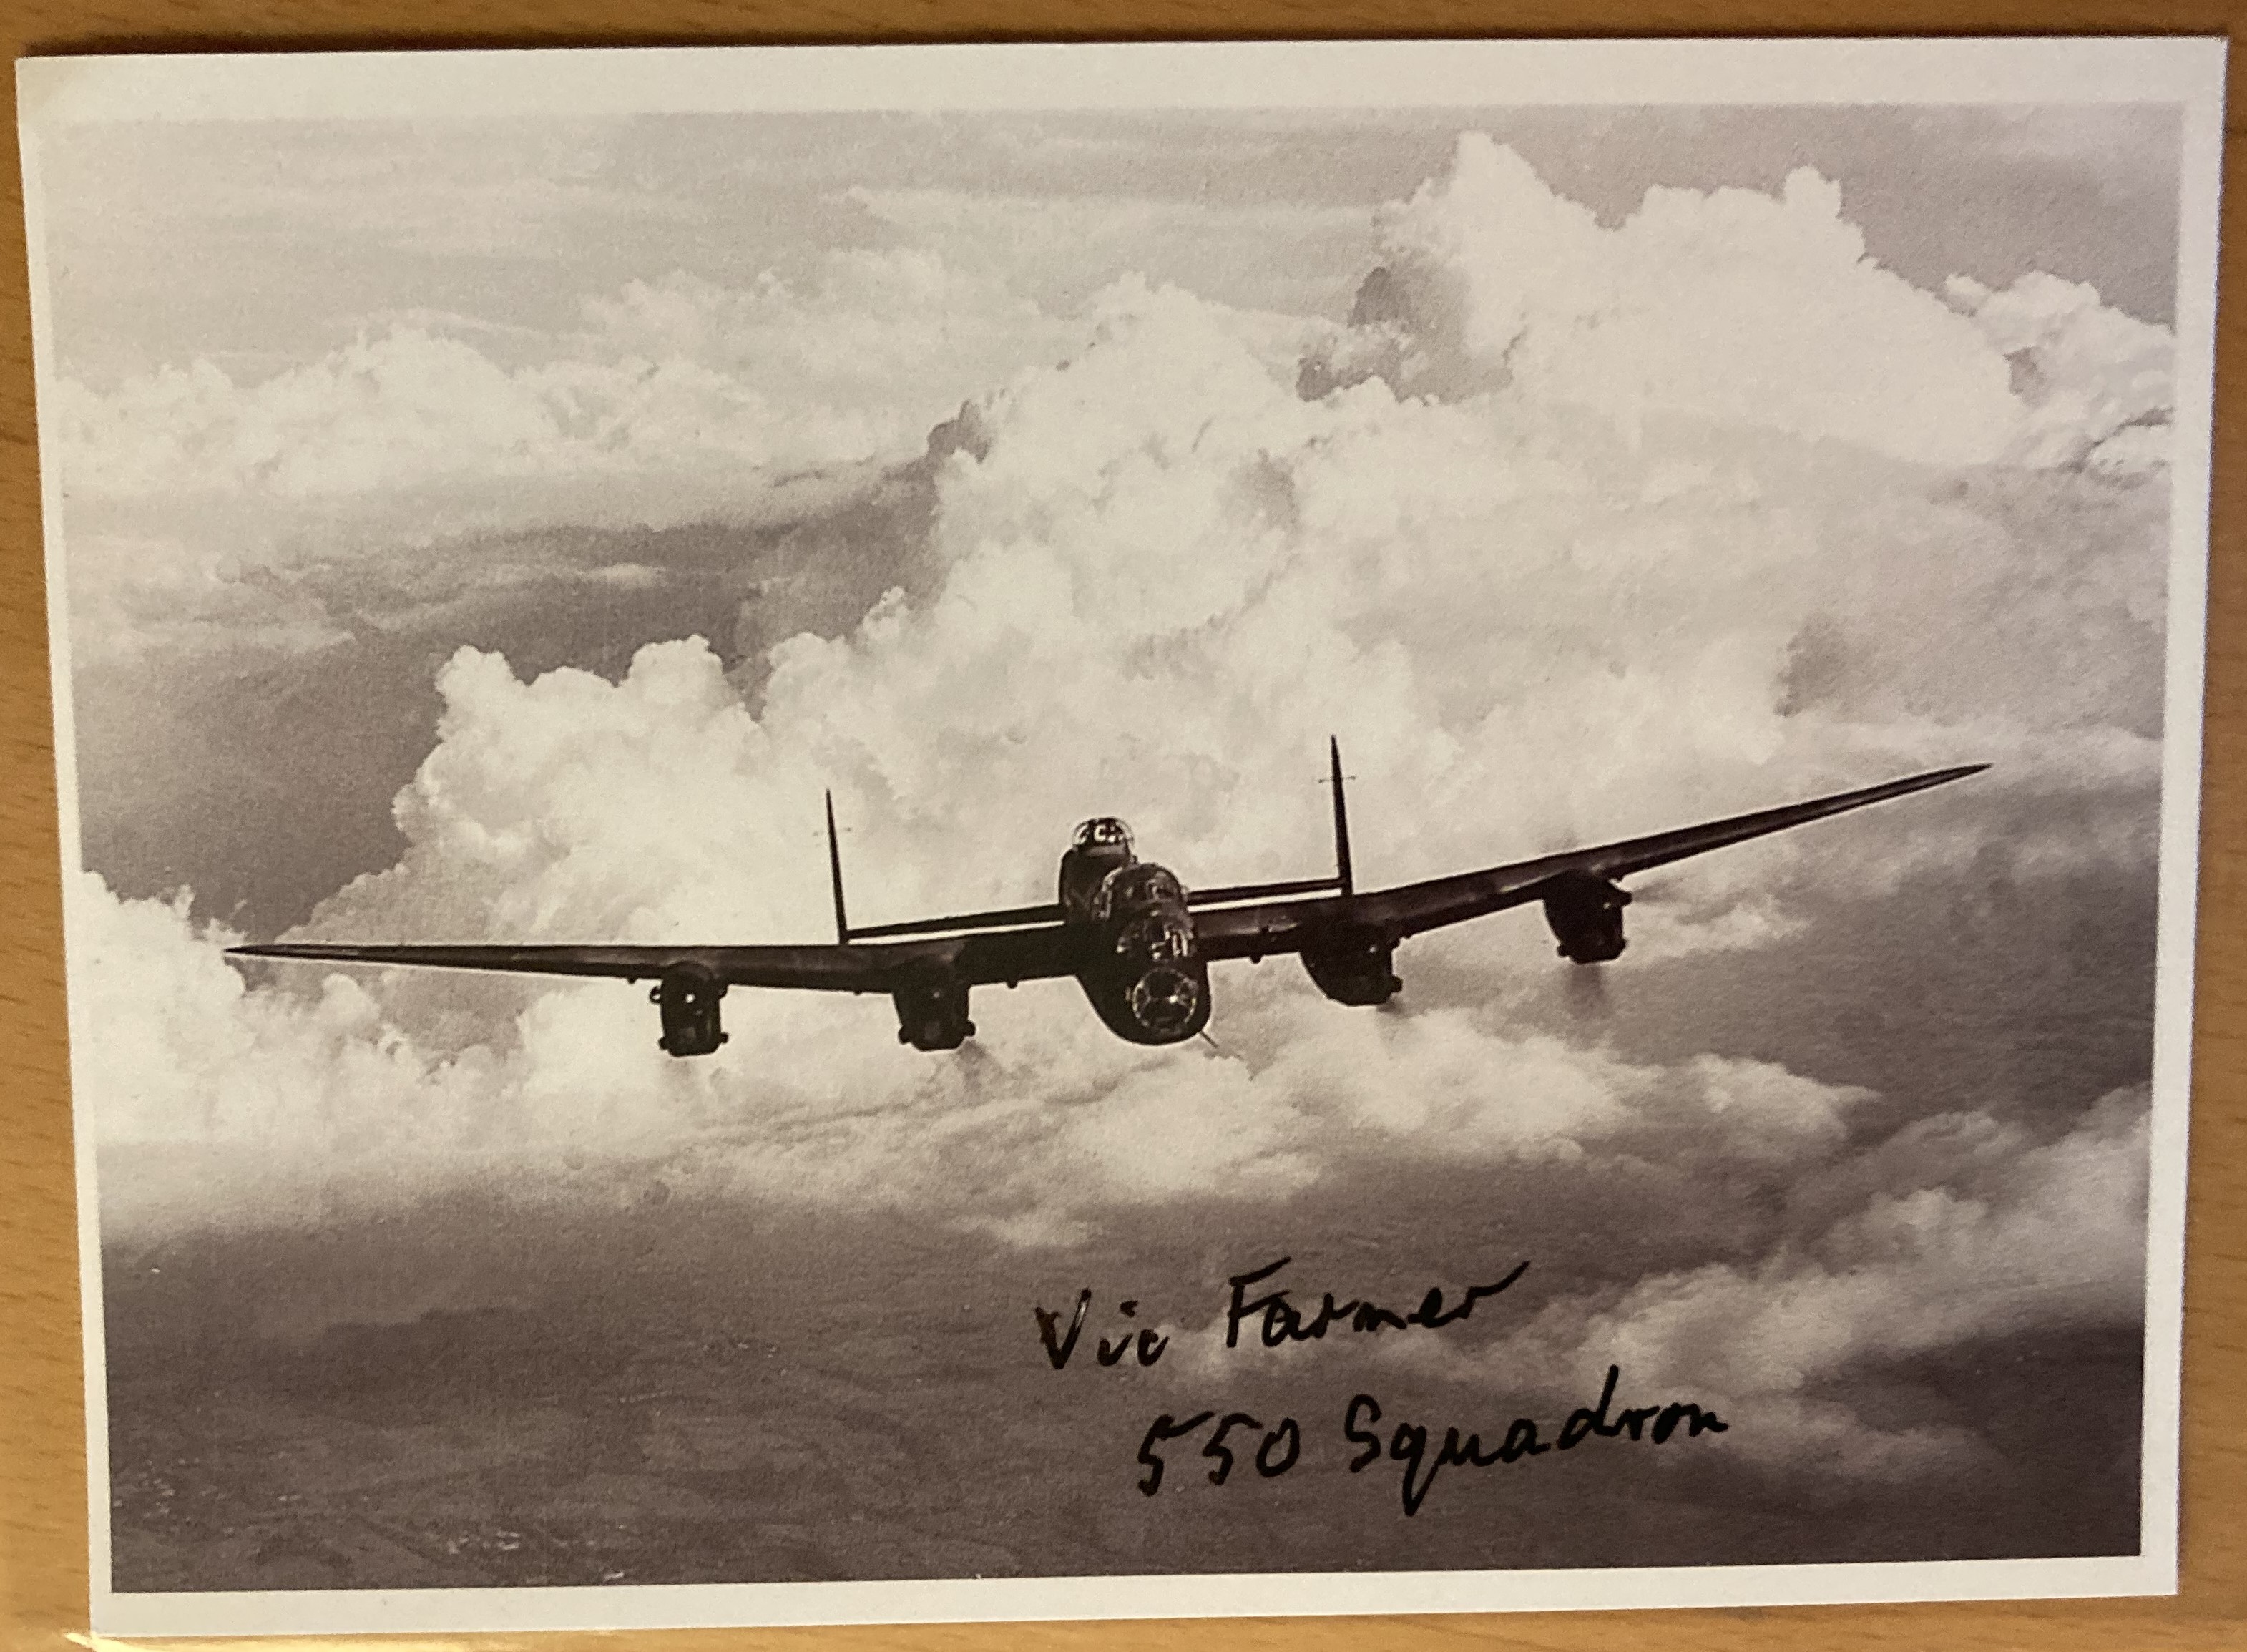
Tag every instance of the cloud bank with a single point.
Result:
(1957, 1228)
(669, 380)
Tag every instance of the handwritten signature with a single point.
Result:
(1278, 1320)
(1282, 1321)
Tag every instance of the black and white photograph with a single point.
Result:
(994, 832)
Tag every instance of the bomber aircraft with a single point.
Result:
(1137, 940)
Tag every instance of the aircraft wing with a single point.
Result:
(1009, 955)
(1263, 928)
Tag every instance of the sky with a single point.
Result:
(509, 534)
(261, 246)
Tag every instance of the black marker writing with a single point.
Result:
(1281, 1448)
(1146, 1346)
(1283, 1324)
(1408, 1442)
(1058, 1351)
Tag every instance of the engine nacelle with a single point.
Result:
(1585, 914)
(1361, 971)
(688, 997)
(933, 1015)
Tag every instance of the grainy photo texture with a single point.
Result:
(969, 843)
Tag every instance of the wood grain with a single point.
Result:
(43, 1589)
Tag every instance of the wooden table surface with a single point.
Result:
(42, 1554)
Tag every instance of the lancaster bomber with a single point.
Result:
(1137, 940)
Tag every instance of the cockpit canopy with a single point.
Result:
(1104, 833)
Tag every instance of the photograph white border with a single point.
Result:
(2185, 71)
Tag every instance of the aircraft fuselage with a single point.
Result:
(1141, 972)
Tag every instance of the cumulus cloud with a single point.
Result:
(1534, 631)
(1739, 308)
(1957, 1228)
(670, 380)
(133, 595)
(201, 509)
(2099, 384)
(1729, 359)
